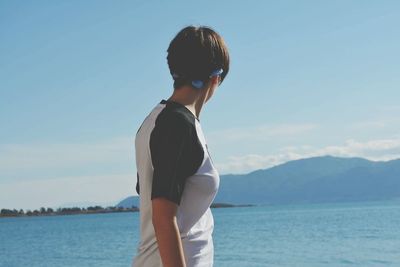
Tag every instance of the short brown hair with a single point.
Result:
(195, 53)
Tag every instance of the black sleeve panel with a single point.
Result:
(175, 153)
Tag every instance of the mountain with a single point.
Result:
(129, 202)
(310, 180)
(313, 180)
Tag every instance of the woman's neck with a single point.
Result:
(190, 98)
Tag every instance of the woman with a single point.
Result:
(177, 180)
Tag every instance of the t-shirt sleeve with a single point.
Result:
(137, 183)
(170, 143)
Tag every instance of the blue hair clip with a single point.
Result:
(198, 84)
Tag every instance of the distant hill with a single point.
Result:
(129, 202)
(311, 180)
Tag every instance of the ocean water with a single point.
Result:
(346, 234)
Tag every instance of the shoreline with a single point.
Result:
(7, 213)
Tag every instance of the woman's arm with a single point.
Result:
(167, 232)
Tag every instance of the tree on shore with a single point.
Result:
(64, 211)
(8, 212)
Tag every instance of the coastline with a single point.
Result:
(7, 213)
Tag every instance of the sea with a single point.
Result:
(339, 234)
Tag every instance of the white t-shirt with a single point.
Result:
(173, 161)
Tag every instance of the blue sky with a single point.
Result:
(77, 78)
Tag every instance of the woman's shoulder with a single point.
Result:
(176, 115)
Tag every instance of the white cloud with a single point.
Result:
(16, 157)
(33, 160)
(391, 108)
(26, 161)
(376, 123)
(55, 192)
(377, 150)
(260, 132)
(369, 124)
